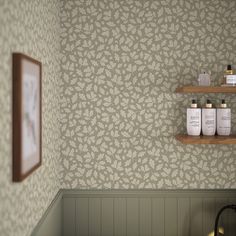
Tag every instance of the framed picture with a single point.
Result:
(27, 73)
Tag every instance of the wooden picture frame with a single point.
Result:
(27, 141)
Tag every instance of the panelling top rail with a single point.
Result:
(149, 192)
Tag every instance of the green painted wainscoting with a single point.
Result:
(51, 222)
(138, 213)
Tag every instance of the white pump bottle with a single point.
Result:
(208, 119)
(194, 119)
(223, 119)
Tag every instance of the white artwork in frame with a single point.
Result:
(26, 116)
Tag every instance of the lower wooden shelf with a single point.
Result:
(187, 139)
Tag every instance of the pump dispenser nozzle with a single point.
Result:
(223, 104)
(208, 104)
(194, 103)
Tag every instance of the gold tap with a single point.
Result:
(221, 232)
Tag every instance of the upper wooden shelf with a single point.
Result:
(186, 139)
(206, 89)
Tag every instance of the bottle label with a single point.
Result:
(223, 121)
(193, 121)
(209, 121)
(230, 79)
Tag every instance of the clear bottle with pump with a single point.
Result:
(204, 79)
(223, 119)
(208, 119)
(194, 119)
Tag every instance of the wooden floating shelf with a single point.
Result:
(206, 89)
(187, 139)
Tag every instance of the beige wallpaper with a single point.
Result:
(31, 27)
(121, 62)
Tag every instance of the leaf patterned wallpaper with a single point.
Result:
(30, 27)
(114, 95)
(121, 62)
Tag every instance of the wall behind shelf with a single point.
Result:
(121, 63)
